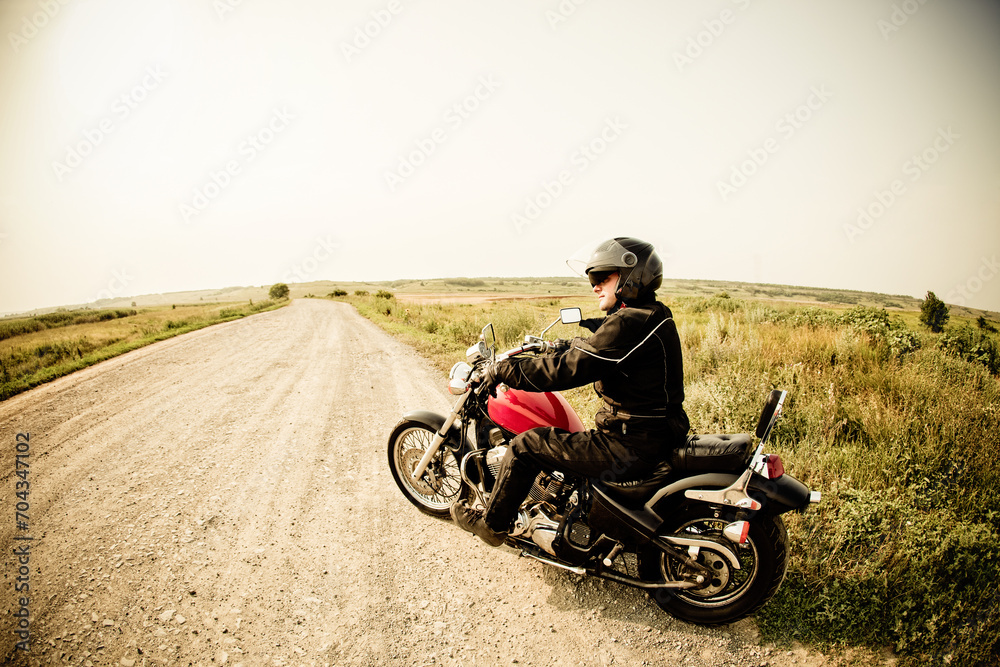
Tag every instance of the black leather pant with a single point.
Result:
(604, 455)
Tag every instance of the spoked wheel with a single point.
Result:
(440, 485)
(731, 593)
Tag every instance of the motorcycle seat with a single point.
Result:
(724, 452)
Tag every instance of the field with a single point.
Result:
(894, 424)
(40, 348)
(481, 289)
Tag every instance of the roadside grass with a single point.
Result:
(895, 425)
(43, 348)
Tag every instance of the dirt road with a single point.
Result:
(223, 498)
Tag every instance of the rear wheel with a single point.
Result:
(731, 594)
(440, 485)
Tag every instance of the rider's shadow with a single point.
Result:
(602, 599)
(570, 591)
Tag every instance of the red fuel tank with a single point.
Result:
(519, 411)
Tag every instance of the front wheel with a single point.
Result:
(440, 485)
(731, 594)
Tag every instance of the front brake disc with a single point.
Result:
(425, 485)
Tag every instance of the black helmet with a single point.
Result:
(640, 271)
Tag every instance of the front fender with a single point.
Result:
(427, 418)
(434, 421)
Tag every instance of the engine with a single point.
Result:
(543, 510)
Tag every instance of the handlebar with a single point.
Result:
(530, 344)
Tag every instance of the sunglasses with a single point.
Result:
(598, 277)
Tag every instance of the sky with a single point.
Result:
(153, 146)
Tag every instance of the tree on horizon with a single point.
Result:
(278, 291)
(934, 312)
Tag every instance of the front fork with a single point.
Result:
(478, 488)
(440, 436)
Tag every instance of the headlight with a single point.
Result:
(460, 371)
(459, 378)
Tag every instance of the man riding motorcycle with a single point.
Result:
(634, 360)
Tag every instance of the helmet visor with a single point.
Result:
(579, 260)
(598, 277)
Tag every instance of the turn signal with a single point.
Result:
(736, 532)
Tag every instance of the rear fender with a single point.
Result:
(785, 494)
(667, 500)
(777, 496)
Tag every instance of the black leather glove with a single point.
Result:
(560, 345)
(490, 378)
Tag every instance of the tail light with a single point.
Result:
(775, 468)
(768, 466)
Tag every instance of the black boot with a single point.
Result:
(514, 480)
(472, 521)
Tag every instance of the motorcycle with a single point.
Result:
(702, 534)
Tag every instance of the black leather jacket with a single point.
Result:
(634, 360)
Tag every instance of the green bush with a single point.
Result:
(882, 330)
(19, 328)
(718, 303)
(880, 569)
(974, 345)
(279, 291)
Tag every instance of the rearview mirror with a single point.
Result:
(489, 337)
(570, 315)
